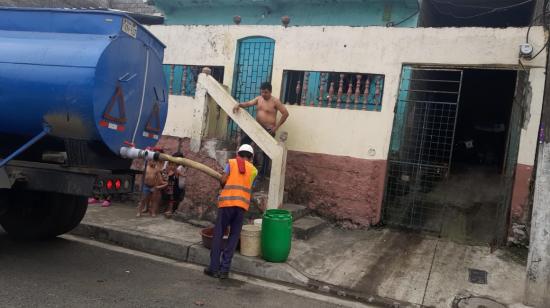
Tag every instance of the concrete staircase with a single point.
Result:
(304, 225)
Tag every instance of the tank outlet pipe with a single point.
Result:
(134, 153)
(45, 131)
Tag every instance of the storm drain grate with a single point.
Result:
(477, 276)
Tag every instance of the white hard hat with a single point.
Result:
(246, 148)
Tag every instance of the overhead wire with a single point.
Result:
(541, 50)
(546, 26)
(532, 24)
(392, 24)
(462, 5)
(491, 11)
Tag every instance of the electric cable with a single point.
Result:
(493, 10)
(545, 24)
(462, 5)
(392, 24)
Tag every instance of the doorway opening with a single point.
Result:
(453, 145)
(253, 66)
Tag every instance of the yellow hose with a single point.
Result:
(191, 164)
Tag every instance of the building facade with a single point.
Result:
(427, 128)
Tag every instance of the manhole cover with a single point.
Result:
(478, 302)
(477, 276)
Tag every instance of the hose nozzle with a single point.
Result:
(134, 153)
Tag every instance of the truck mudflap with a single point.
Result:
(65, 180)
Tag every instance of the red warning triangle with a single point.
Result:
(118, 97)
(154, 117)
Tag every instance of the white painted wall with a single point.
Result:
(180, 115)
(529, 135)
(377, 50)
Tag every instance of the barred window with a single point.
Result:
(182, 79)
(354, 91)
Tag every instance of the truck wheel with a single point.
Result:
(33, 215)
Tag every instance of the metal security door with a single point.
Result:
(421, 146)
(254, 64)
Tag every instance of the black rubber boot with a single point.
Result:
(223, 275)
(210, 273)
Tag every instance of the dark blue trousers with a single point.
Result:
(232, 217)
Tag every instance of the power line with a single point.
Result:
(493, 10)
(543, 14)
(545, 24)
(541, 50)
(391, 24)
(463, 5)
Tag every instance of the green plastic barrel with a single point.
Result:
(276, 235)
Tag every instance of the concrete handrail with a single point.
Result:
(208, 86)
(245, 121)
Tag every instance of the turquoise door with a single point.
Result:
(254, 64)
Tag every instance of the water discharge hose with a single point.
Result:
(133, 153)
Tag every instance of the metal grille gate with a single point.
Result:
(421, 146)
(253, 66)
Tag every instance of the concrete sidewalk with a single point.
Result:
(377, 266)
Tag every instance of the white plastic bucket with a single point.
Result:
(258, 222)
(250, 241)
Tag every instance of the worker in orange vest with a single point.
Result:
(233, 202)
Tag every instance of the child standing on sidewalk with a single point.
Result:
(175, 191)
(153, 185)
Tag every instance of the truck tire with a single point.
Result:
(33, 215)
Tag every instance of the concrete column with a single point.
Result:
(199, 111)
(537, 286)
(277, 179)
(537, 283)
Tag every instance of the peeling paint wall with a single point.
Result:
(180, 111)
(359, 134)
(521, 194)
(343, 189)
(529, 133)
(336, 137)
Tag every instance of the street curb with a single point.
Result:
(198, 254)
(130, 239)
(281, 272)
(189, 252)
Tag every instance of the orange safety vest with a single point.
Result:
(238, 188)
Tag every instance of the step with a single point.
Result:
(297, 211)
(200, 223)
(259, 195)
(306, 227)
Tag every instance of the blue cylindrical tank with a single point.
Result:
(90, 75)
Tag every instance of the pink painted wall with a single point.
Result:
(344, 189)
(521, 193)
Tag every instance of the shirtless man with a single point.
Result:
(266, 110)
(267, 107)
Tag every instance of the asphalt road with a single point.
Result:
(67, 273)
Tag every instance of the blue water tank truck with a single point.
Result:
(76, 86)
